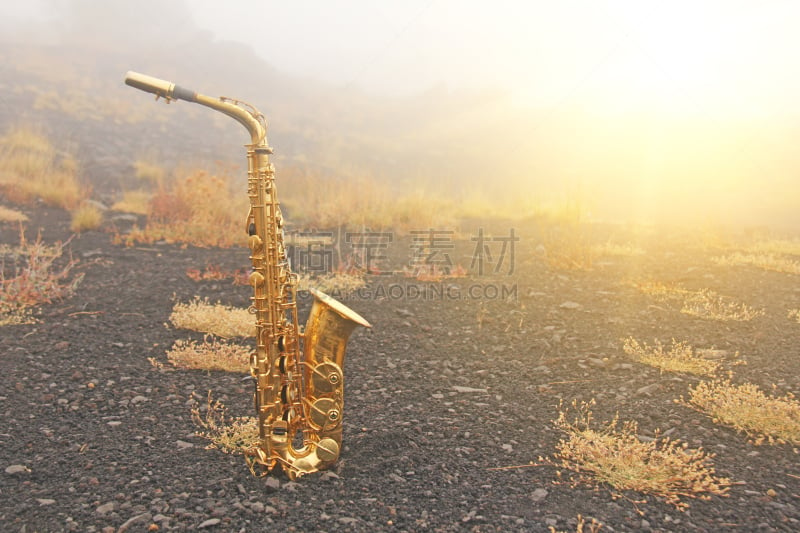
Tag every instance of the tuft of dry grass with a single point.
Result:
(614, 455)
(332, 283)
(590, 527)
(196, 208)
(710, 305)
(661, 291)
(137, 201)
(11, 215)
(233, 435)
(151, 173)
(36, 279)
(32, 169)
(775, 247)
(746, 408)
(610, 249)
(764, 261)
(86, 217)
(703, 303)
(794, 314)
(216, 319)
(680, 357)
(210, 354)
(213, 272)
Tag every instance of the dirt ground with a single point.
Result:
(455, 381)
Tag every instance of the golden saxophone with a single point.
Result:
(299, 397)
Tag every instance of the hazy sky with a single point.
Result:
(683, 54)
(713, 56)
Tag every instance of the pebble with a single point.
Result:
(539, 494)
(647, 389)
(183, 444)
(257, 507)
(139, 518)
(105, 508)
(459, 388)
(17, 469)
(208, 523)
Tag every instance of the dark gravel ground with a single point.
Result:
(440, 394)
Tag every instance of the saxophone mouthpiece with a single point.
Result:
(161, 88)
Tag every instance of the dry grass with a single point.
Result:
(794, 314)
(137, 202)
(151, 173)
(233, 435)
(710, 305)
(582, 526)
(661, 291)
(615, 456)
(680, 357)
(332, 283)
(195, 208)
(86, 217)
(746, 408)
(213, 272)
(216, 319)
(703, 303)
(32, 169)
(11, 215)
(610, 249)
(36, 279)
(775, 247)
(764, 261)
(358, 201)
(210, 354)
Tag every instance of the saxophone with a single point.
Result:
(299, 396)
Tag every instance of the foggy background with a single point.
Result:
(651, 111)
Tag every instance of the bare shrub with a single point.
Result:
(745, 407)
(216, 319)
(679, 357)
(614, 455)
(210, 354)
(34, 278)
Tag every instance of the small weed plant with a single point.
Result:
(135, 201)
(774, 420)
(679, 357)
(86, 217)
(233, 435)
(33, 279)
(210, 354)
(613, 454)
(215, 319)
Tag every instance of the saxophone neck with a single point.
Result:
(245, 114)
